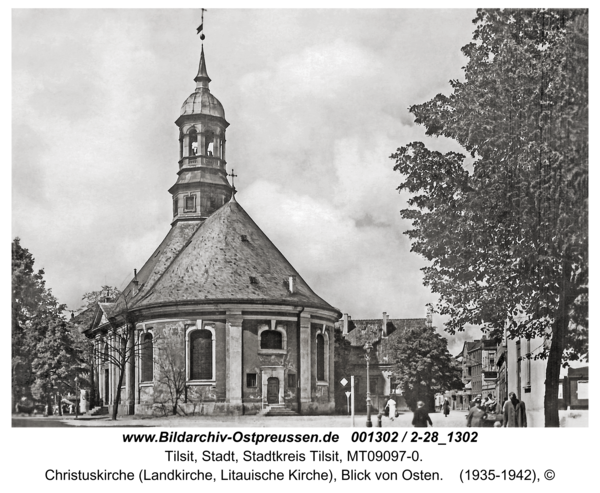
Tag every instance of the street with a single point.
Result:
(456, 419)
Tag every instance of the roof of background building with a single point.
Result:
(361, 331)
(473, 345)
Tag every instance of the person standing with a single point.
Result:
(421, 416)
(391, 405)
(476, 401)
(476, 415)
(515, 415)
(446, 407)
(490, 403)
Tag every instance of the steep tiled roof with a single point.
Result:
(226, 259)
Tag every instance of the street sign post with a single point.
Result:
(352, 391)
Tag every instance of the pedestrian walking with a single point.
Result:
(391, 405)
(515, 415)
(421, 416)
(446, 407)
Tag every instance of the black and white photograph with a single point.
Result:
(224, 215)
(340, 219)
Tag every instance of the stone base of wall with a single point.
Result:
(190, 409)
(317, 408)
(252, 408)
(221, 409)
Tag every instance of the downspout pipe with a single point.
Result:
(299, 362)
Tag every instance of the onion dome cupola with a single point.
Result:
(202, 186)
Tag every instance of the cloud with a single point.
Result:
(358, 268)
(316, 107)
(318, 72)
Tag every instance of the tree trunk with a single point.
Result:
(49, 404)
(430, 402)
(92, 397)
(553, 366)
(118, 396)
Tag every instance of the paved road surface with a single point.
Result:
(456, 419)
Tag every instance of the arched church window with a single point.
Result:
(147, 358)
(193, 142)
(271, 339)
(175, 206)
(201, 355)
(320, 357)
(209, 139)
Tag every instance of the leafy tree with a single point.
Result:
(507, 235)
(424, 366)
(28, 290)
(45, 358)
(57, 362)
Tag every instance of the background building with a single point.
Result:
(382, 334)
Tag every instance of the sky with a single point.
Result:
(317, 100)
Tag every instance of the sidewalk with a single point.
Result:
(456, 419)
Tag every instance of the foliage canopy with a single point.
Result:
(424, 366)
(507, 238)
(46, 354)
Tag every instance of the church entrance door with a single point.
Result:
(273, 390)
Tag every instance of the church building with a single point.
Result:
(216, 311)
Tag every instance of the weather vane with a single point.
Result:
(200, 28)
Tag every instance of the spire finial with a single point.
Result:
(233, 176)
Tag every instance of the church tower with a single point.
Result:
(216, 303)
(202, 185)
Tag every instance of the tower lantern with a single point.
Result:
(202, 185)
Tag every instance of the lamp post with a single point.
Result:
(76, 397)
(368, 346)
